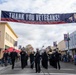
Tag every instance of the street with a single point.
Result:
(66, 69)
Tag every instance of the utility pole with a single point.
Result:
(68, 39)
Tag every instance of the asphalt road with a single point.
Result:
(66, 69)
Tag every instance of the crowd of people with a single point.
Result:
(36, 59)
(44, 59)
(68, 58)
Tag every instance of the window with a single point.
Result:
(7, 37)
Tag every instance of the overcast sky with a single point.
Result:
(39, 35)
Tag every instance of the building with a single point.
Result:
(8, 37)
(71, 44)
(61, 46)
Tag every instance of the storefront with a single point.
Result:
(72, 44)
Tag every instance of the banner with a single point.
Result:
(15, 43)
(20, 46)
(36, 18)
(65, 37)
(55, 44)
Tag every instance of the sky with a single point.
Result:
(39, 35)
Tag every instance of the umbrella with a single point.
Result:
(5, 50)
(18, 51)
(11, 49)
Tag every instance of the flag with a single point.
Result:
(65, 37)
(55, 44)
(15, 43)
(20, 47)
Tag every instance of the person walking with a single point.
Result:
(26, 59)
(32, 59)
(23, 59)
(45, 60)
(5, 57)
(13, 56)
(37, 61)
(52, 59)
(57, 59)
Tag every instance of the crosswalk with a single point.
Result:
(28, 71)
(60, 69)
(43, 74)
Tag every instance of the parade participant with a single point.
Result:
(37, 61)
(32, 59)
(45, 60)
(52, 59)
(23, 59)
(13, 56)
(26, 59)
(57, 59)
(5, 57)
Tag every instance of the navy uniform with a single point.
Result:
(23, 59)
(32, 60)
(13, 56)
(45, 60)
(37, 61)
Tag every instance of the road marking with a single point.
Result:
(66, 69)
(62, 69)
(43, 74)
(57, 69)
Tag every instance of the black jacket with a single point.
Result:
(5, 56)
(13, 55)
(23, 55)
(31, 57)
(37, 57)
